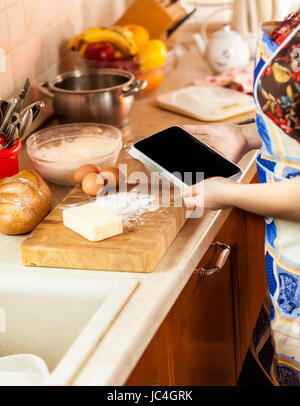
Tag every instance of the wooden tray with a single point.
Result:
(139, 249)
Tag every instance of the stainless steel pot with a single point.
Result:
(93, 95)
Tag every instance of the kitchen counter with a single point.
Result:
(115, 357)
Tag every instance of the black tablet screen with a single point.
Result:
(179, 153)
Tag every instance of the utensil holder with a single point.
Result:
(9, 163)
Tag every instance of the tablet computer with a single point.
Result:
(182, 158)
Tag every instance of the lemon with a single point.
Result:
(153, 54)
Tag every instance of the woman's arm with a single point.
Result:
(251, 135)
(278, 200)
(231, 140)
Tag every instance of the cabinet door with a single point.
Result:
(205, 314)
(196, 343)
(250, 285)
(155, 368)
(202, 323)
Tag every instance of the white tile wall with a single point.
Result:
(34, 35)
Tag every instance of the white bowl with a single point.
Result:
(57, 152)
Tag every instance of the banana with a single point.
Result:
(75, 43)
(90, 34)
(117, 36)
(82, 50)
(124, 30)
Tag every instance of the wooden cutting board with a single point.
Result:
(139, 249)
(207, 103)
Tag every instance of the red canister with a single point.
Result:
(9, 164)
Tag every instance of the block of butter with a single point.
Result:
(92, 222)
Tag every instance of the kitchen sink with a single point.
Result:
(57, 315)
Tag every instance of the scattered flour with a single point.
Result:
(128, 206)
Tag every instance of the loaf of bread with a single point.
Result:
(25, 200)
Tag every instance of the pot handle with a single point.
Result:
(135, 87)
(44, 89)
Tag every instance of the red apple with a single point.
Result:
(126, 64)
(99, 51)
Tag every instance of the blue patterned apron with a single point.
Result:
(276, 338)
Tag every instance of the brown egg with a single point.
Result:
(91, 130)
(111, 176)
(84, 170)
(92, 184)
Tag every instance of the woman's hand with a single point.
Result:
(231, 140)
(210, 194)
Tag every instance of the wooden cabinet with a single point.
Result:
(250, 285)
(205, 337)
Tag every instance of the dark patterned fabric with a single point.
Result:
(286, 27)
(279, 91)
(279, 88)
(266, 356)
(286, 375)
(261, 328)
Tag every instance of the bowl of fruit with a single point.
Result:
(128, 48)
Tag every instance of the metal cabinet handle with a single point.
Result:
(226, 251)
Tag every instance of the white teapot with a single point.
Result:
(225, 50)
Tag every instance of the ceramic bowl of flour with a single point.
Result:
(57, 152)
